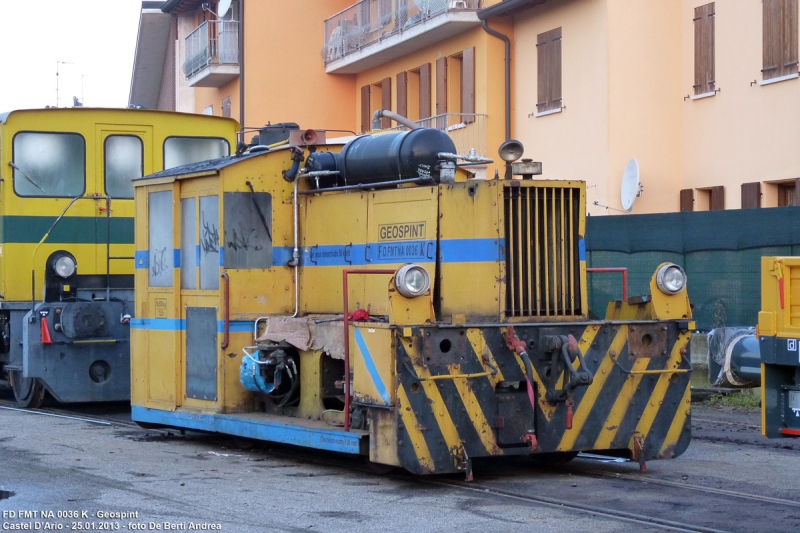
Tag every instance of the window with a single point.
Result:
(160, 252)
(455, 84)
(780, 38)
(179, 151)
(209, 243)
(787, 193)
(49, 164)
(704, 49)
(414, 93)
(710, 199)
(208, 110)
(548, 53)
(124, 161)
(248, 230)
(226, 107)
(374, 97)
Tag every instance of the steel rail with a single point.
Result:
(594, 510)
(690, 486)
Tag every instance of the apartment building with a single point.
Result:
(703, 94)
(327, 64)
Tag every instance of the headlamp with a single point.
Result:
(412, 281)
(671, 279)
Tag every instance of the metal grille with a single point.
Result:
(542, 256)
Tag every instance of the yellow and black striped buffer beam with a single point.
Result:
(462, 393)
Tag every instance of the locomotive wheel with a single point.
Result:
(29, 392)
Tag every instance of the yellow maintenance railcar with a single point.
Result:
(371, 298)
(66, 244)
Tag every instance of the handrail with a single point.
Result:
(345, 273)
(47, 234)
(226, 336)
(624, 271)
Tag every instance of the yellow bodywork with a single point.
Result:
(27, 219)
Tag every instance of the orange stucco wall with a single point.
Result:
(285, 79)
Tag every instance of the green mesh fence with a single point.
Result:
(721, 252)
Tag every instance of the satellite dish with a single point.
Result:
(224, 6)
(630, 185)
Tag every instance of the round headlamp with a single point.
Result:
(412, 281)
(64, 266)
(671, 279)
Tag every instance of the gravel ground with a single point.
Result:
(174, 481)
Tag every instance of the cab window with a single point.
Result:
(179, 151)
(124, 161)
(247, 230)
(49, 164)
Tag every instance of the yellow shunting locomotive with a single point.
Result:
(66, 240)
(370, 298)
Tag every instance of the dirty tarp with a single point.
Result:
(305, 334)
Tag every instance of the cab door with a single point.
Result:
(122, 154)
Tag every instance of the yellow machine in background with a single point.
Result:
(779, 337)
(66, 248)
(370, 298)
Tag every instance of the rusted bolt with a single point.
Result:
(633, 328)
(663, 352)
(683, 351)
(612, 353)
(633, 354)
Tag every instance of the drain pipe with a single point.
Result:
(507, 41)
(241, 71)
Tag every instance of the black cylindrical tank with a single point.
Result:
(393, 156)
(323, 161)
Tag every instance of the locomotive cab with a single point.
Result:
(371, 298)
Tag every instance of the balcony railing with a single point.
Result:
(468, 131)
(214, 42)
(369, 21)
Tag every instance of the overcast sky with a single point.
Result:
(96, 38)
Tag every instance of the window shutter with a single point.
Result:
(365, 107)
(548, 53)
(687, 200)
(789, 34)
(751, 195)
(425, 91)
(386, 101)
(779, 37)
(441, 86)
(717, 198)
(704, 49)
(402, 94)
(468, 85)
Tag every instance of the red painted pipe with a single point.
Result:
(226, 336)
(624, 271)
(345, 273)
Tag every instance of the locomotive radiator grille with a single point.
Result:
(542, 256)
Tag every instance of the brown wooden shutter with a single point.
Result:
(468, 85)
(441, 85)
(386, 101)
(751, 195)
(548, 53)
(425, 91)
(704, 49)
(717, 198)
(402, 94)
(365, 109)
(789, 44)
(779, 37)
(687, 200)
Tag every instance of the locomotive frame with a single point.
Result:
(494, 354)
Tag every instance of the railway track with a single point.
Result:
(582, 487)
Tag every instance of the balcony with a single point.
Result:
(468, 131)
(212, 54)
(371, 32)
